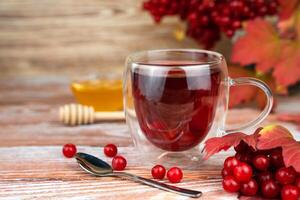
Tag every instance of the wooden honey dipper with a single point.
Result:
(77, 114)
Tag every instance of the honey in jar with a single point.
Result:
(103, 95)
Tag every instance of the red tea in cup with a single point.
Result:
(175, 109)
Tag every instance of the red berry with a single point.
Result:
(158, 172)
(250, 188)
(276, 158)
(69, 150)
(243, 172)
(174, 175)
(244, 157)
(225, 172)
(119, 163)
(264, 176)
(230, 184)
(241, 147)
(261, 162)
(230, 163)
(297, 182)
(110, 150)
(270, 189)
(286, 175)
(290, 192)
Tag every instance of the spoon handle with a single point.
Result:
(159, 185)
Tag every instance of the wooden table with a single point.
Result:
(32, 165)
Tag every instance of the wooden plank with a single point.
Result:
(69, 37)
(45, 174)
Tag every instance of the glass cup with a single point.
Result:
(174, 99)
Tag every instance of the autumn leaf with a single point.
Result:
(287, 69)
(240, 94)
(287, 7)
(277, 136)
(245, 94)
(260, 45)
(216, 144)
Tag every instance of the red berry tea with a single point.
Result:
(175, 107)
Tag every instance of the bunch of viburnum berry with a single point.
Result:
(260, 172)
(266, 163)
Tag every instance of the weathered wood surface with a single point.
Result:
(32, 166)
(71, 37)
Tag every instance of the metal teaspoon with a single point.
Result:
(98, 167)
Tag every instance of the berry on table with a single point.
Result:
(270, 189)
(290, 192)
(250, 188)
(230, 184)
(119, 163)
(286, 175)
(243, 172)
(230, 163)
(110, 150)
(158, 172)
(174, 175)
(69, 150)
(261, 162)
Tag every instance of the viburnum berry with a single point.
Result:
(286, 175)
(243, 172)
(119, 163)
(158, 172)
(244, 157)
(276, 158)
(264, 176)
(230, 163)
(270, 189)
(250, 188)
(206, 21)
(69, 150)
(110, 150)
(297, 182)
(261, 162)
(174, 175)
(230, 184)
(241, 147)
(225, 172)
(290, 192)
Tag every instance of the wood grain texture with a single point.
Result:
(46, 174)
(70, 37)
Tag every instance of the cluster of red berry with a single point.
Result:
(119, 163)
(207, 19)
(260, 173)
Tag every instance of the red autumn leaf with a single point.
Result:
(287, 70)
(260, 45)
(216, 144)
(287, 7)
(277, 136)
(240, 94)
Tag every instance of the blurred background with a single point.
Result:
(45, 46)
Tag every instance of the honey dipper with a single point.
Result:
(77, 114)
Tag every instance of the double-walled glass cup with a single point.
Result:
(175, 99)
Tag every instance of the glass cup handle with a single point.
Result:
(260, 84)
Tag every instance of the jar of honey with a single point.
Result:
(104, 94)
